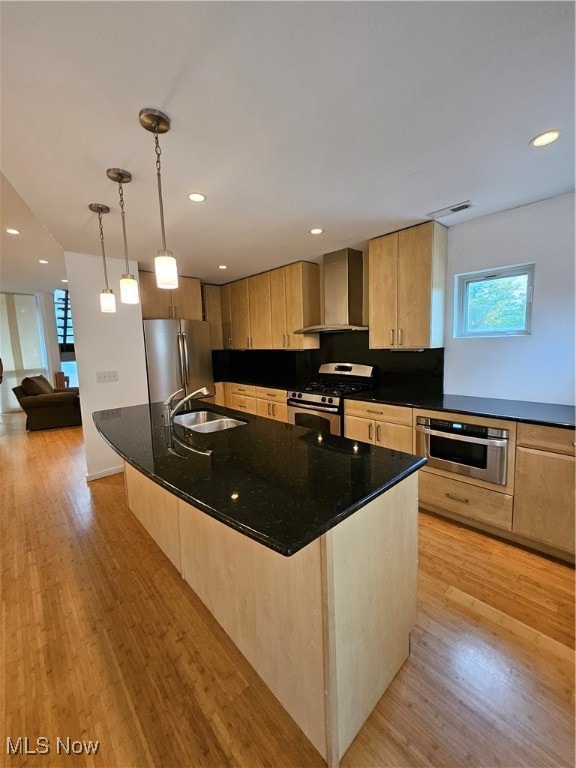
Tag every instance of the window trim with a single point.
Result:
(461, 282)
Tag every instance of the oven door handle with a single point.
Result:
(317, 408)
(496, 442)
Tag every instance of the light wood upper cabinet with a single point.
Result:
(295, 299)
(240, 314)
(226, 301)
(544, 505)
(260, 311)
(158, 303)
(278, 304)
(263, 311)
(212, 303)
(407, 275)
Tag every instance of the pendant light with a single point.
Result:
(164, 264)
(107, 298)
(128, 283)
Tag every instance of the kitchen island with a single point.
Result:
(303, 546)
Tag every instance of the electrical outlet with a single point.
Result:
(102, 377)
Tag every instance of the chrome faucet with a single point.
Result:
(170, 412)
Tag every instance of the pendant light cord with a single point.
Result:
(159, 176)
(121, 193)
(103, 252)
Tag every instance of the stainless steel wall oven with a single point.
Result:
(465, 449)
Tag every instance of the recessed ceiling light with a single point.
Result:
(13, 231)
(63, 280)
(42, 261)
(197, 197)
(222, 266)
(316, 231)
(545, 138)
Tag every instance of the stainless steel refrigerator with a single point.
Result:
(178, 356)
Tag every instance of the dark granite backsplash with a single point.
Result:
(287, 368)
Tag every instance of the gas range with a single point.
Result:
(321, 392)
(320, 404)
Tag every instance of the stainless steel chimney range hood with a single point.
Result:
(343, 293)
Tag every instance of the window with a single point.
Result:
(494, 302)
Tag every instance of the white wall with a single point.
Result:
(104, 342)
(48, 315)
(539, 367)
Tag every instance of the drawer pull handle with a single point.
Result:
(380, 413)
(458, 498)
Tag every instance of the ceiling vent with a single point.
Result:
(456, 208)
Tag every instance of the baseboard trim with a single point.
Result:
(105, 472)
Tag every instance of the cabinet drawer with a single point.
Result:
(277, 395)
(554, 439)
(242, 403)
(467, 500)
(395, 414)
(248, 390)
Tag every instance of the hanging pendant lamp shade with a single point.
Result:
(107, 298)
(128, 283)
(165, 265)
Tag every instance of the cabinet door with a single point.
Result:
(271, 410)
(240, 314)
(213, 311)
(544, 497)
(226, 316)
(156, 302)
(414, 286)
(187, 299)
(260, 312)
(398, 437)
(278, 308)
(359, 429)
(302, 304)
(382, 291)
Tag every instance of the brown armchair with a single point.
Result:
(46, 407)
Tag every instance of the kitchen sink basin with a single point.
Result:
(206, 421)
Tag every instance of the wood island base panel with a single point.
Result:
(327, 627)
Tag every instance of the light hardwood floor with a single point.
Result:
(102, 640)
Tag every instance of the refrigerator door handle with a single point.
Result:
(181, 359)
(186, 366)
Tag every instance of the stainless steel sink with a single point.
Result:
(206, 421)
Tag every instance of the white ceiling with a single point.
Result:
(357, 117)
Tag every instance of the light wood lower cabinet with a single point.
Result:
(466, 500)
(544, 501)
(271, 403)
(388, 426)
(157, 510)
(241, 397)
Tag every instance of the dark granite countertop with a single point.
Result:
(417, 393)
(274, 482)
(549, 414)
